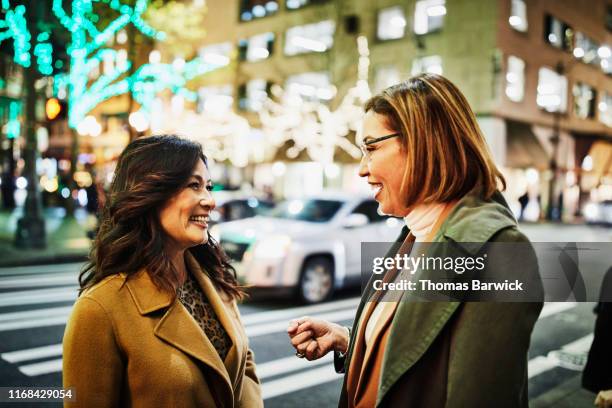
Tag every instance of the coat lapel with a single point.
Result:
(177, 328)
(233, 363)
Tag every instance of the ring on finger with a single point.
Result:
(299, 355)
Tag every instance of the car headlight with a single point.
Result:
(215, 232)
(275, 246)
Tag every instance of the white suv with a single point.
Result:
(310, 246)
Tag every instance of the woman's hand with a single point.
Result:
(314, 338)
(604, 399)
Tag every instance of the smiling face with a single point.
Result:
(184, 217)
(385, 167)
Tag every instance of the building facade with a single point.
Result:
(537, 74)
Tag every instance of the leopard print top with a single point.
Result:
(192, 297)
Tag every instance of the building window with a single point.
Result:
(584, 101)
(585, 49)
(557, 33)
(256, 48)
(431, 64)
(215, 98)
(429, 15)
(605, 109)
(605, 56)
(252, 9)
(253, 94)
(317, 37)
(311, 86)
(518, 15)
(391, 23)
(552, 91)
(216, 53)
(515, 79)
(385, 76)
(296, 4)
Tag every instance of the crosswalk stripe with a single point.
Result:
(289, 364)
(46, 367)
(37, 296)
(33, 314)
(33, 353)
(31, 323)
(299, 381)
(552, 308)
(540, 364)
(39, 281)
(41, 269)
(274, 327)
(296, 312)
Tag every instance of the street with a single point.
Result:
(35, 302)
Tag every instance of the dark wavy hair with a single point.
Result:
(150, 171)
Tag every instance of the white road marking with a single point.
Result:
(37, 296)
(297, 312)
(551, 308)
(46, 367)
(41, 269)
(32, 353)
(289, 364)
(540, 364)
(70, 279)
(274, 327)
(299, 381)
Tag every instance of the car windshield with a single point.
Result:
(306, 210)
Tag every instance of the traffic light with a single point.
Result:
(55, 109)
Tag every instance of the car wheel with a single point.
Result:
(316, 282)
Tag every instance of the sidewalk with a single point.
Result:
(67, 239)
(570, 394)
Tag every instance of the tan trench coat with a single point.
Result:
(128, 344)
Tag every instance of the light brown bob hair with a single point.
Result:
(447, 155)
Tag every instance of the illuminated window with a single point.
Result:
(557, 33)
(256, 48)
(552, 90)
(317, 37)
(385, 76)
(391, 23)
(584, 101)
(311, 86)
(253, 9)
(518, 15)
(431, 64)
(296, 4)
(215, 98)
(515, 79)
(253, 94)
(216, 53)
(429, 15)
(605, 109)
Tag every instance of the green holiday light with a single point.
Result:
(15, 28)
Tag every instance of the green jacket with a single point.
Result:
(458, 354)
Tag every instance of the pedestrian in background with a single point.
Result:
(156, 323)
(597, 375)
(427, 161)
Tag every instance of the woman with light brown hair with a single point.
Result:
(156, 323)
(427, 161)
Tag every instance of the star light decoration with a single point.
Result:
(312, 126)
(88, 49)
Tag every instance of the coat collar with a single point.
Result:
(178, 328)
(474, 221)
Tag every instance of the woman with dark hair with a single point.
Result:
(156, 322)
(427, 161)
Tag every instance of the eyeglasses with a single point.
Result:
(364, 146)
